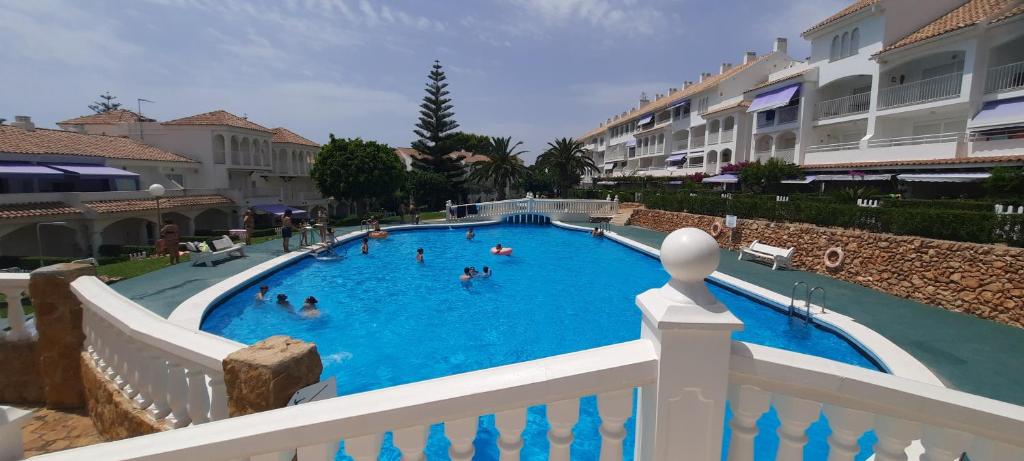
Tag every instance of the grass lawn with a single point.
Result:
(129, 269)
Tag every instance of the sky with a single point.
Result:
(534, 70)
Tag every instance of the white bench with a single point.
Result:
(223, 248)
(780, 257)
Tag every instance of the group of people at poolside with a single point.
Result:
(309, 308)
(288, 226)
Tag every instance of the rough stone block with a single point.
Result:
(114, 416)
(265, 375)
(20, 381)
(59, 323)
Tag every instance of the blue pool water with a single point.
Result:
(388, 320)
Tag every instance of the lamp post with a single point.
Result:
(39, 239)
(157, 191)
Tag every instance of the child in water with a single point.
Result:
(419, 255)
(262, 295)
(366, 246)
(309, 309)
(470, 234)
(486, 273)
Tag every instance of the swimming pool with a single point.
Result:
(387, 320)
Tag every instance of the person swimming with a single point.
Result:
(309, 308)
(282, 302)
(262, 295)
(366, 246)
(466, 275)
(470, 234)
(419, 255)
(486, 273)
(473, 272)
(597, 233)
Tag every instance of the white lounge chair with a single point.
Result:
(223, 248)
(780, 257)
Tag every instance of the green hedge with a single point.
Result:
(202, 234)
(32, 262)
(946, 224)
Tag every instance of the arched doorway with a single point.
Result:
(130, 231)
(56, 240)
(212, 219)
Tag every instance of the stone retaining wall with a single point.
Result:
(982, 280)
(20, 381)
(113, 414)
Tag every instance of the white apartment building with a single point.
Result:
(891, 86)
(68, 192)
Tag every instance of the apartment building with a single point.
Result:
(67, 192)
(892, 86)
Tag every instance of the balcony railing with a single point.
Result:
(1005, 78)
(762, 156)
(786, 155)
(1015, 133)
(834, 147)
(932, 89)
(916, 140)
(763, 121)
(727, 136)
(786, 115)
(841, 107)
(713, 138)
(696, 141)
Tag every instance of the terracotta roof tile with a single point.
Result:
(219, 117)
(971, 13)
(123, 206)
(284, 135)
(726, 106)
(466, 157)
(943, 161)
(107, 118)
(15, 140)
(678, 96)
(1010, 13)
(780, 80)
(855, 7)
(28, 210)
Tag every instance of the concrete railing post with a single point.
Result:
(59, 324)
(264, 376)
(682, 414)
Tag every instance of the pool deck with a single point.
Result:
(967, 353)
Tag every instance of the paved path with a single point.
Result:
(55, 430)
(968, 353)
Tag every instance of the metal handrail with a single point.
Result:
(847, 105)
(931, 89)
(1005, 78)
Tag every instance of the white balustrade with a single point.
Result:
(14, 287)
(552, 208)
(1005, 78)
(840, 107)
(685, 366)
(921, 91)
(171, 372)
(916, 140)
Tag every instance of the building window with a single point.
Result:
(854, 42)
(177, 179)
(845, 45)
(834, 52)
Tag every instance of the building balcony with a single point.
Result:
(834, 147)
(1005, 78)
(1009, 141)
(761, 156)
(712, 138)
(923, 147)
(696, 141)
(922, 91)
(787, 155)
(916, 140)
(778, 117)
(842, 107)
(728, 136)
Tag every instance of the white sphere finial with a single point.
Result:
(689, 254)
(157, 190)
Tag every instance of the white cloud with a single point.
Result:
(623, 16)
(623, 95)
(44, 31)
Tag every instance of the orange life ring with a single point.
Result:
(833, 257)
(716, 229)
(379, 234)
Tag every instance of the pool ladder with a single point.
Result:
(808, 292)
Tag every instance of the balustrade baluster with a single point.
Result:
(748, 403)
(144, 397)
(365, 448)
(944, 444)
(989, 450)
(177, 394)
(847, 427)
(130, 376)
(461, 433)
(158, 385)
(218, 395)
(614, 407)
(795, 415)
(510, 426)
(894, 436)
(198, 396)
(117, 373)
(109, 351)
(325, 452)
(15, 315)
(562, 417)
(411, 441)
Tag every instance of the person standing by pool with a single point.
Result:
(262, 295)
(248, 222)
(169, 234)
(470, 234)
(303, 233)
(309, 309)
(322, 223)
(366, 246)
(419, 255)
(286, 229)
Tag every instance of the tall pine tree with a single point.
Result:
(106, 105)
(436, 132)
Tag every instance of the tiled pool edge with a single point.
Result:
(898, 361)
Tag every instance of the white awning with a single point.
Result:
(609, 166)
(722, 178)
(944, 177)
(848, 177)
(646, 119)
(631, 142)
(1002, 113)
(806, 180)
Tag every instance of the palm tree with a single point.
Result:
(503, 167)
(567, 159)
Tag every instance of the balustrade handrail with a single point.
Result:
(141, 324)
(915, 140)
(855, 388)
(834, 146)
(847, 105)
(563, 377)
(930, 89)
(1005, 77)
